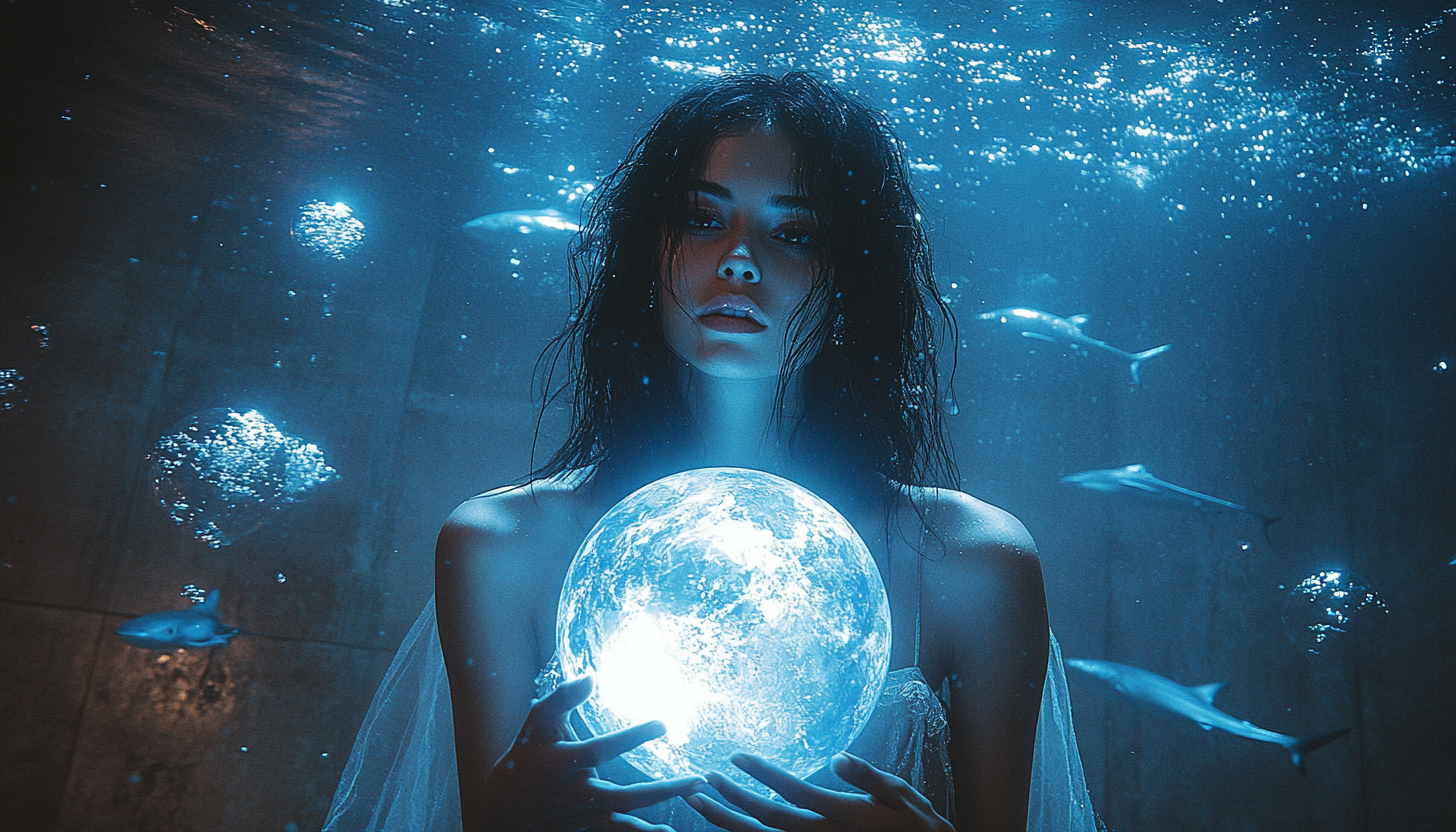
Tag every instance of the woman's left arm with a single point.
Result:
(985, 629)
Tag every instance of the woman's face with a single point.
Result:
(748, 257)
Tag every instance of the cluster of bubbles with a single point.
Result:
(42, 336)
(219, 472)
(330, 230)
(12, 396)
(12, 379)
(194, 593)
(1327, 605)
(1269, 112)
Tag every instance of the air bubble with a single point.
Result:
(1323, 610)
(330, 230)
(219, 472)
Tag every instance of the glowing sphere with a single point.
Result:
(739, 609)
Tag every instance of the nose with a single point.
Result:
(739, 264)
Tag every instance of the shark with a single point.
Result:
(1135, 482)
(1195, 703)
(1044, 326)
(194, 627)
(548, 219)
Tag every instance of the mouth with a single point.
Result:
(732, 313)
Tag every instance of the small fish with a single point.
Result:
(1135, 482)
(523, 221)
(1194, 703)
(1044, 326)
(195, 627)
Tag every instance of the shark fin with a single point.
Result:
(1308, 744)
(1205, 726)
(1140, 357)
(1038, 336)
(1207, 692)
(209, 606)
(1078, 320)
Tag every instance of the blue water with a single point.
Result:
(260, 206)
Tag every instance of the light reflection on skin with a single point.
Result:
(749, 245)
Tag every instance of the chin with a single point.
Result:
(736, 370)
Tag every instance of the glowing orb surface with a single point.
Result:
(739, 609)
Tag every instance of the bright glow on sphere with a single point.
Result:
(739, 609)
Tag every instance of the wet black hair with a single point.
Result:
(865, 337)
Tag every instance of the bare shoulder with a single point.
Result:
(983, 598)
(506, 551)
(958, 525)
(495, 523)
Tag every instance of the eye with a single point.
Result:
(804, 236)
(702, 219)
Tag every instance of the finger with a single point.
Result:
(796, 791)
(616, 822)
(882, 786)
(776, 815)
(626, 798)
(550, 710)
(721, 816)
(598, 750)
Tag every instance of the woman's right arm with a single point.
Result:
(520, 768)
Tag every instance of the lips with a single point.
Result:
(732, 313)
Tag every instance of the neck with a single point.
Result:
(736, 421)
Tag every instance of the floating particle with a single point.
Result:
(12, 394)
(219, 472)
(330, 230)
(42, 335)
(1323, 610)
(281, 578)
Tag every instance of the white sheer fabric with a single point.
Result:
(401, 774)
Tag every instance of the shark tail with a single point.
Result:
(1308, 744)
(1140, 357)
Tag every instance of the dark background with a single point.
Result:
(155, 159)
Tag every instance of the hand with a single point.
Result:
(547, 780)
(890, 805)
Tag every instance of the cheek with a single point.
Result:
(678, 327)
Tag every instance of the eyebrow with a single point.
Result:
(713, 189)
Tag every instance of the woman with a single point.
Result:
(755, 293)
